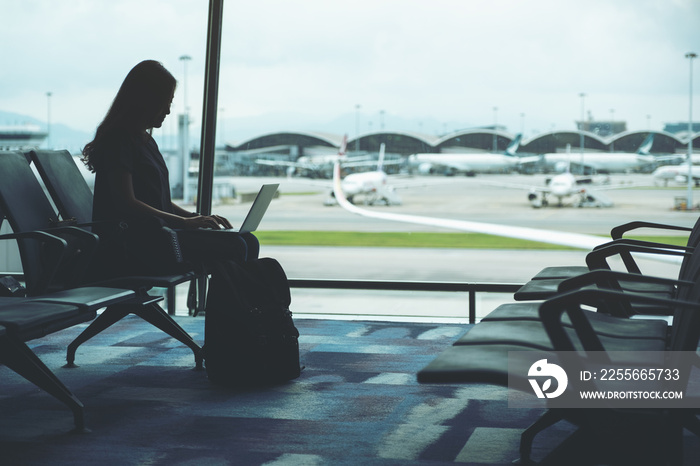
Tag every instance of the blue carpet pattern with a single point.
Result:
(356, 402)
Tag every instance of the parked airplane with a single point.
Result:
(676, 173)
(472, 163)
(565, 185)
(371, 186)
(319, 165)
(606, 162)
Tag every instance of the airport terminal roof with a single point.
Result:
(292, 138)
(406, 143)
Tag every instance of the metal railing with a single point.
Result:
(401, 285)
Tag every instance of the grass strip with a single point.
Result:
(419, 240)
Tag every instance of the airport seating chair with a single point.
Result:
(545, 284)
(73, 199)
(26, 318)
(649, 324)
(25, 321)
(617, 236)
(602, 277)
(565, 323)
(28, 210)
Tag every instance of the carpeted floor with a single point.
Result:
(357, 402)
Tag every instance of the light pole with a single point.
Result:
(612, 129)
(381, 120)
(222, 137)
(357, 127)
(48, 120)
(522, 124)
(583, 96)
(495, 124)
(689, 202)
(185, 133)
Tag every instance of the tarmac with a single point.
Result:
(300, 206)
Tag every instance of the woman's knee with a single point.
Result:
(252, 245)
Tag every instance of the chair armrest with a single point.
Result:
(638, 242)
(627, 258)
(604, 276)
(571, 303)
(618, 231)
(53, 253)
(82, 247)
(610, 280)
(597, 259)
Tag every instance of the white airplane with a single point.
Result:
(472, 163)
(606, 162)
(565, 185)
(371, 185)
(677, 174)
(318, 165)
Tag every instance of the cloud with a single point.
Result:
(446, 59)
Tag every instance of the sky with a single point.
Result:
(364, 65)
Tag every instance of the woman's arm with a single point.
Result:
(187, 214)
(122, 186)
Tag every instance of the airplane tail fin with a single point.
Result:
(380, 164)
(513, 146)
(343, 146)
(646, 145)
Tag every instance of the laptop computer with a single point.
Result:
(258, 209)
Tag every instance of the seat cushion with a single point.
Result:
(88, 297)
(537, 290)
(532, 334)
(560, 272)
(28, 319)
(470, 364)
(602, 323)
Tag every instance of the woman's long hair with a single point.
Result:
(145, 92)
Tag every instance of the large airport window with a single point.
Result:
(469, 134)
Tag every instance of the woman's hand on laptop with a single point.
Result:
(215, 222)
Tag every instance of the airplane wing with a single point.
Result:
(574, 240)
(279, 163)
(587, 183)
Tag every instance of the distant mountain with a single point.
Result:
(237, 130)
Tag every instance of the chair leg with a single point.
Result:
(674, 443)
(109, 316)
(155, 315)
(16, 355)
(550, 417)
(692, 423)
(151, 313)
(171, 300)
(201, 298)
(192, 297)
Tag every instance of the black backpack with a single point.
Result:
(249, 334)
